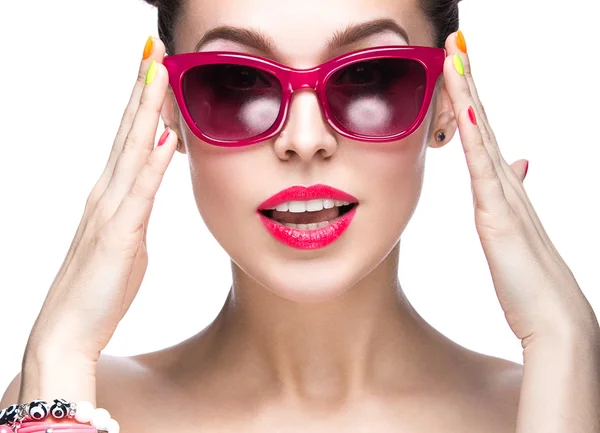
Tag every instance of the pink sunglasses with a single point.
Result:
(375, 95)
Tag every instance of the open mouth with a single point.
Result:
(309, 215)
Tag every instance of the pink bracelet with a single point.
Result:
(36, 417)
(49, 427)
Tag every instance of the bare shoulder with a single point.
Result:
(137, 393)
(505, 379)
(119, 379)
(121, 382)
(497, 390)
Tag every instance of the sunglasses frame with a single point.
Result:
(292, 79)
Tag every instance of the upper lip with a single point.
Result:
(305, 193)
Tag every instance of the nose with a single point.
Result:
(306, 133)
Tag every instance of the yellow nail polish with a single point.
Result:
(152, 70)
(458, 64)
(148, 48)
(460, 42)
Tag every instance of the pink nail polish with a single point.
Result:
(164, 137)
(472, 116)
(526, 170)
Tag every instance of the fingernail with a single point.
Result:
(152, 70)
(164, 137)
(526, 169)
(460, 42)
(148, 48)
(472, 115)
(458, 64)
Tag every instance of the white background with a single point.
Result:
(66, 73)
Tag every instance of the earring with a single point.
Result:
(440, 136)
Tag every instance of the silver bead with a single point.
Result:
(72, 410)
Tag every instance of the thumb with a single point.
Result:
(520, 168)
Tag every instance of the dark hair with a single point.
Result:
(442, 14)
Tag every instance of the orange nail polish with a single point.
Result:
(460, 42)
(148, 48)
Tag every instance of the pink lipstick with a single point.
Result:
(308, 217)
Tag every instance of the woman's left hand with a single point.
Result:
(542, 302)
(535, 287)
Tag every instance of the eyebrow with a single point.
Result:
(257, 40)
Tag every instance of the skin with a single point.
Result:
(325, 340)
(272, 320)
(321, 340)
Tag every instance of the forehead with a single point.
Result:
(300, 30)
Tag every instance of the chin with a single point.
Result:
(311, 276)
(299, 282)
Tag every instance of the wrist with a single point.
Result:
(576, 330)
(568, 321)
(48, 375)
(53, 337)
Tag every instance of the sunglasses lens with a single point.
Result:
(378, 97)
(231, 102)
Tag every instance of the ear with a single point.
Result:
(170, 115)
(443, 117)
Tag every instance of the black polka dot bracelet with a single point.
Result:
(39, 410)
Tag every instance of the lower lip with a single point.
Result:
(309, 239)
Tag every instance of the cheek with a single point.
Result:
(218, 177)
(393, 179)
(396, 169)
(225, 184)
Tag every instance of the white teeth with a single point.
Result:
(314, 205)
(297, 206)
(283, 207)
(307, 226)
(309, 206)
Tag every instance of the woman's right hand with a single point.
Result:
(107, 259)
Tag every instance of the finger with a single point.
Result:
(146, 222)
(140, 140)
(133, 212)
(457, 68)
(483, 161)
(520, 168)
(512, 185)
(487, 187)
(153, 50)
(482, 120)
(453, 45)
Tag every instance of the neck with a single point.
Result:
(329, 350)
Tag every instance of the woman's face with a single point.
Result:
(230, 184)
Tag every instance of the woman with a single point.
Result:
(316, 334)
